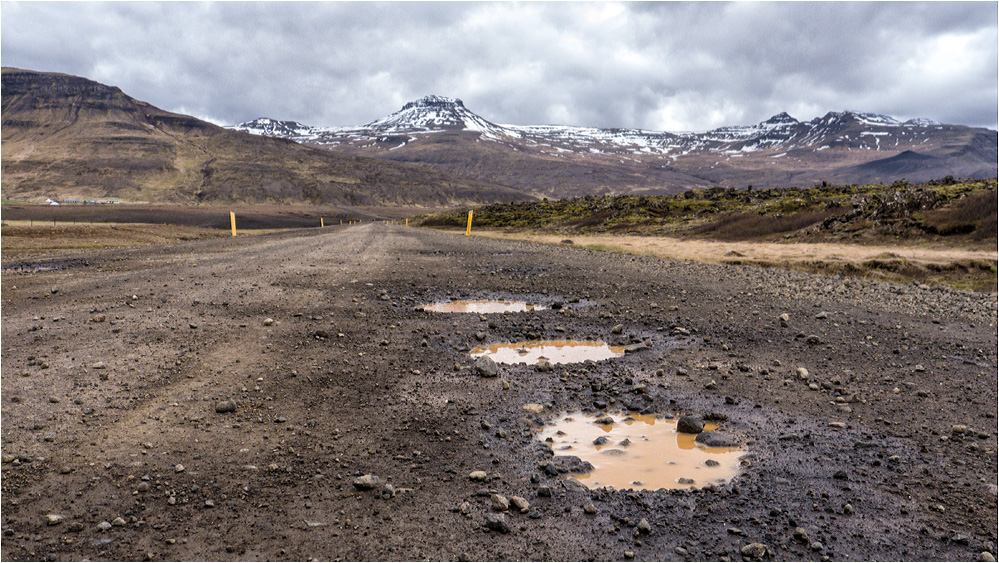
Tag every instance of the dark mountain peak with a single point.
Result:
(436, 102)
(781, 118)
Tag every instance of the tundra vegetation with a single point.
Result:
(941, 214)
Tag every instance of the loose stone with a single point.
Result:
(690, 425)
(520, 504)
(366, 482)
(477, 476)
(497, 523)
(499, 503)
(486, 367)
(225, 406)
(754, 551)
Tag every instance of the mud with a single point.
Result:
(223, 398)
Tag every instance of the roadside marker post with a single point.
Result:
(321, 222)
(407, 221)
(468, 229)
(232, 220)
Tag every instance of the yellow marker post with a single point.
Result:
(322, 222)
(232, 220)
(468, 229)
(407, 221)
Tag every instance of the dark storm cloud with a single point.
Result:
(665, 66)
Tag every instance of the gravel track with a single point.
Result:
(114, 369)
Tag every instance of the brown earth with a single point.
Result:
(114, 367)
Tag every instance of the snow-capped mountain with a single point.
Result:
(778, 150)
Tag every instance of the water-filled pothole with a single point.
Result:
(481, 306)
(555, 351)
(640, 452)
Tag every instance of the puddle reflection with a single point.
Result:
(641, 452)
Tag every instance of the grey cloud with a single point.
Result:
(648, 65)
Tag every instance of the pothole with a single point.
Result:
(481, 306)
(555, 351)
(640, 452)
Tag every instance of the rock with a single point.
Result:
(802, 373)
(717, 440)
(644, 527)
(711, 463)
(99, 318)
(632, 348)
(601, 441)
(225, 406)
(848, 509)
(521, 504)
(76, 527)
(478, 476)
(690, 425)
(104, 526)
(544, 365)
(959, 429)
(571, 464)
(754, 551)
(497, 523)
(268, 321)
(465, 508)
(986, 556)
(388, 491)
(179, 468)
(54, 519)
(618, 329)
(533, 408)
(119, 521)
(589, 508)
(499, 503)
(800, 535)
(822, 315)
(813, 339)
(629, 554)
(784, 319)
(366, 482)
(98, 365)
(486, 367)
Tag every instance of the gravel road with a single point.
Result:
(280, 397)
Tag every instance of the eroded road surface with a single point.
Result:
(219, 399)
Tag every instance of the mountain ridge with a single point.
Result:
(68, 136)
(559, 161)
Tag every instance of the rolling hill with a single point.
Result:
(70, 137)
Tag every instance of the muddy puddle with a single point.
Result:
(481, 306)
(640, 452)
(555, 351)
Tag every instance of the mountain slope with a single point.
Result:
(562, 161)
(66, 136)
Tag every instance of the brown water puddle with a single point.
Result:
(555, 351)
(481, 307)
(641, 452)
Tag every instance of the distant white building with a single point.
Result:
(51, 202)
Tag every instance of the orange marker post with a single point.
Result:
(232, 220)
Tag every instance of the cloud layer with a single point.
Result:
(661, 66)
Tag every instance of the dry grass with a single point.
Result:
(953, 267)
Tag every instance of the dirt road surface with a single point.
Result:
(115, 368)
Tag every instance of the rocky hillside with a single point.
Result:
(69, 137)
(560, 161)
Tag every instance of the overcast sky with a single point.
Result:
(659, 66)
